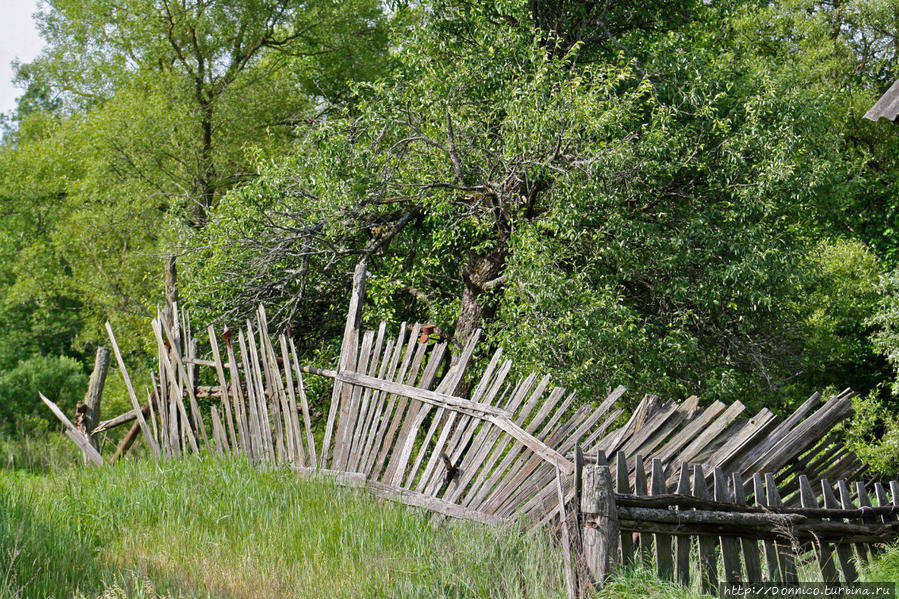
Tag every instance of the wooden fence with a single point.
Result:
(396, 424)
(732, 530)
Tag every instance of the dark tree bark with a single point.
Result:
(474, 306)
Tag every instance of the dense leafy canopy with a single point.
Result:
(683, 200)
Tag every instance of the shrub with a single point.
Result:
(61, 378)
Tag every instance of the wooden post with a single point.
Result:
(90, 412)
(600, 533)
(347, 356)
(170, 314)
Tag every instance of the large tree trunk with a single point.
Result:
(478, 276)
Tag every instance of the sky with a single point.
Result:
(18, 39)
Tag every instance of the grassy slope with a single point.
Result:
(219, 528)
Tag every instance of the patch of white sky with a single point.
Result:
(19, 40)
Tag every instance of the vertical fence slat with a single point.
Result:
(844, 553)
(624, 486)
(730, 547)
(865, 501)
(822, 551)
(861, 549)
(664, 562)
(761, 499)
(883, 501)
(785, 552)
(708, 558)
(682, 565)
(750, 546)
(600, 542)
(641, 489)
(347, 353)
(570, 577)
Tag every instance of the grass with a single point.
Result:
(211, 527)
(221, 528)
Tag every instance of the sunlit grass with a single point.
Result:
(211, 527)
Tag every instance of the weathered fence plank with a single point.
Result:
(600, 536)
(708, 545)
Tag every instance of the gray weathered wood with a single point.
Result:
(570, 576)
(844, 552)
(664, 561)
(822, 552)
(376, 367)
(686, 435)
(730, 547)
(682, 562)
(865, 502)
(254, 418)
(349, 411)
(785, 551)
(256, 376)
(486, 412)
(347, 353)
(304, 406)
(642, 488)
(708, 559)
(237, 397)
(148, 436)
(806, 433)
(846, 501)
(482, 490)
(399, 402)
(750, 546)
(709, 433)
(119, 420)
(776, 435)
(600, 543)
(174, 357)
(382, 412)
(488, 446)
(90, 416)
(72, 432)
(761, 500)
(223, 384)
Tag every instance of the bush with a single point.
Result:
(61, 378)
(873, 433)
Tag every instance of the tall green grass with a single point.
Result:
(221, 528)
(211, 527)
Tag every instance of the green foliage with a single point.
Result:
(657, 230)
(682, 200)
(60, 378)
(137, 116)
(883, 568)
(873, 434)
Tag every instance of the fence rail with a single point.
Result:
(397, 424)
(730, 539)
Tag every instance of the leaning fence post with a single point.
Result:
(600, 528)
(90, 407)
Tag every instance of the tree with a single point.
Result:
(610, 220)
(158, 108)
